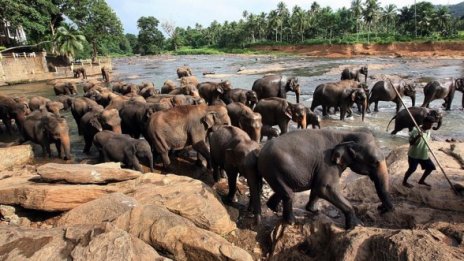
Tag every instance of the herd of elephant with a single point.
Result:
(225, 126)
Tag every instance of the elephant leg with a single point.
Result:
(332, 194)
(216, 171)
(283, 127)
(287, 202)
(255, 185)
(87, 145)
(398, 106)
(313, 197)
(202, 148)
(58, 148)
(232, 181)
(273, 202)
(324, 110)
(342, 113)
(376, 107)
(166, 160)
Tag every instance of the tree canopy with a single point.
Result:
(150, 39)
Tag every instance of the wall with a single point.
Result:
(29, 68)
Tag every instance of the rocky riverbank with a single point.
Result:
(61, 211)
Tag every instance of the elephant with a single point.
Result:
(80, 71)
(134, 117)
(212, 92)
(168, 86)
(123, 148)
(24, 101)
(65, 88)
(97, 120)
(184, 71)
(186, 90)
(243, 117)
(81, 106)
(383, 91)
(187, 80)
(180, 127)
(233, 151)
(354, 75)
(339, 95)
(148, 91)
(45, 128)
(105, 74)
(87, 85)
(247, 97)
(54, 107)
(311, 118)
(434, 90)
(11, 110)
(276, 86)
(314, 160)
(403, 120)
(278, 111)
(36, 102)
(269, 131)
(119, 87)
(221, 114)
(66, 100)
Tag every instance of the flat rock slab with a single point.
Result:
(85, 174)
(15, 156)
(25, 191)
(187, 197)
(178, 236)
(73, 243)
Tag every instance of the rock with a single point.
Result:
(8, 213)
(104, 209)
(86, 174)
(187, 197)
(76, 243)
(180, 237)
(24, 191)
(17, 156)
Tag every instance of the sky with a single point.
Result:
(185, 13)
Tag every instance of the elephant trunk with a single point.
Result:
(303, 121)
(66, 146)
(363, 108)
(297, 93)
(413, 100)
(381, 181)
(438, 125)
(117, 129)
(255, 134)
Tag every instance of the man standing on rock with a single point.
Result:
(419, 153)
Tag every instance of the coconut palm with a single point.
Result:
(442, 18)
(390, 14)
(370, 13)
(356, 8)
(299, 21)
(68, 43)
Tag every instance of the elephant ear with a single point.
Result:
(343, 153)
(288, 111)
(208, 120)
(94, 122)
(219, 89)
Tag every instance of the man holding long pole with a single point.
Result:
(419, 153)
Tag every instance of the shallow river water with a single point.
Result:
(310, 72)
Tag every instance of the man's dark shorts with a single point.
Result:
(425, 164)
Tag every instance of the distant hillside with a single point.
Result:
(457, 9)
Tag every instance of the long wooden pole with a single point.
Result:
(423, 138)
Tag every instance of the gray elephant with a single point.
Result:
(269, 132)
(341, 95)
(45, 128)
(383, 91)
(54, 107)
(247, 97)
(66, 100)
(179, 127)
(314, 160)
(122, 148)
(434, 90)
(65, 88)
(11, 110)
(233, 151)
(148, 91)
(184, 71)
(97, 120)
(403, 120)
(278, 111)
(347, 74)
(276, 86)
(134, 117)
(311, 119)
(81, 106)
(186, 90)
(243, 117)
(36, 102)
(213, 92)
(80, 71)
(168, 86)
(105, 74)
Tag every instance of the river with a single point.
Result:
(310, 72)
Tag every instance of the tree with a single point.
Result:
(150, 39)
(97, 21)
(132, 39)
(370, 13)
(390, 15)
(442, 19)
(68, 43)
(169, 27)
(299, 21)
(356, 8)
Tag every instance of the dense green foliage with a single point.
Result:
(366, 21)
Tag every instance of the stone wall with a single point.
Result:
(30, 68)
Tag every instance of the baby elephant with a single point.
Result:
(123, 148)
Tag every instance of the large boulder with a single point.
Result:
(186, 197)
(26, 192)
(15, 156)
(176, 235)
(73, 243)
(104, 209)
(86, 174)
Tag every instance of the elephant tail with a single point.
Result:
(394, 117)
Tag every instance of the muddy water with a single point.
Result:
(310, 72)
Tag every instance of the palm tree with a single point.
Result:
(370, 14)
(274, 22)
(283, 13)
(68, 43)
(442, 19)
(390, 14)
(356, 8)
(299, 21)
